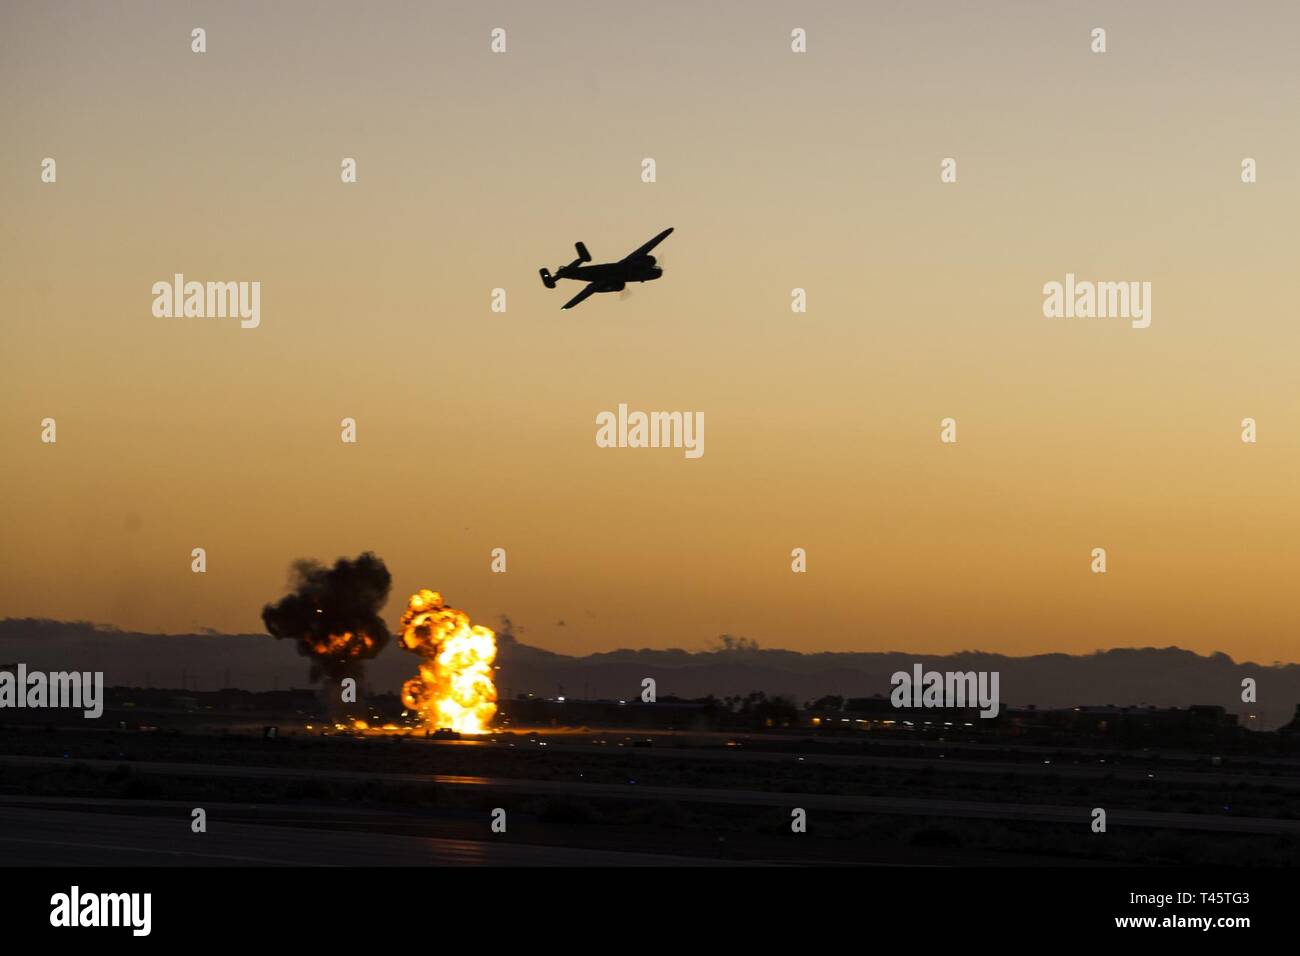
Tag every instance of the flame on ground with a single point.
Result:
(454, 688)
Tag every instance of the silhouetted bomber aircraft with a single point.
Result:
(638, 266)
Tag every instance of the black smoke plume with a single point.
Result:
(333, 614)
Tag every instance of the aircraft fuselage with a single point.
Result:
(636, 270)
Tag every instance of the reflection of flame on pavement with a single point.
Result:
(454, 688)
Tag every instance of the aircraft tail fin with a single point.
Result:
(547, 279)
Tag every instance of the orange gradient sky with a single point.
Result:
(476, 429)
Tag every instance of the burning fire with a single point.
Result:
(454, 689)
(341, 647)
(332, 614)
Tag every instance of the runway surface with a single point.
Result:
(848, 803)
(44, 837)
(1089, 768)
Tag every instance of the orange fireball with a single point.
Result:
(454, 688)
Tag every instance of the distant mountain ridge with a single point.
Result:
(1163, 677)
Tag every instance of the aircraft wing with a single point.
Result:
(648, 246)
(591, 287)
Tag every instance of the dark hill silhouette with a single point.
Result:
(1162, 677)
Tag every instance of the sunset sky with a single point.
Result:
(476, 429)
